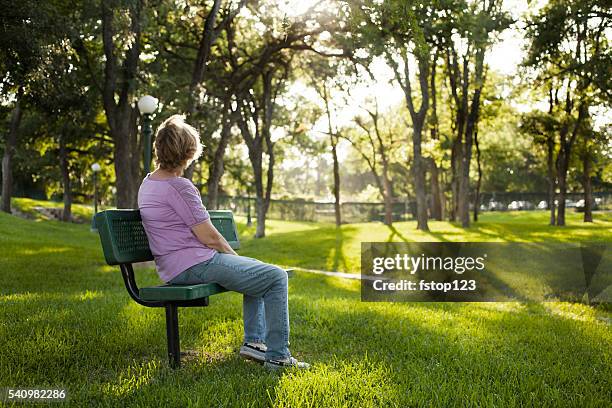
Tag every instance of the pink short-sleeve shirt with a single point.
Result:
(169, 208)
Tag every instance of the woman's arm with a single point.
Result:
(209, 236)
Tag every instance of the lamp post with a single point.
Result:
(95, 168)
(147, 105)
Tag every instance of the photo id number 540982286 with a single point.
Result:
(9, 394)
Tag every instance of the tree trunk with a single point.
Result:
(260, 209)
(255, 145)
(65, 170)
(562, 165)
(562, 192)
(470, 130)
(564, 156)
(9, 151)
(479, 181)
(424, 62)
(441, 184)
(121, 114)
(388, 197)
(464, 189)
(436, 194)
(455, 174)
(216, 169)
(267, 123)
(419, 178)
(387, 184)
(457, 82)
(260, 204)
(550, 146)
(588, 188)
(127, 162)
(333, 141)
(261, 231)
(336, 182)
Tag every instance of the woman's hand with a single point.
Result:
(208, 235)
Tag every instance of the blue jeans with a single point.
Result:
(264, 286)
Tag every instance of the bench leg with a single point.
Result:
(172, 333)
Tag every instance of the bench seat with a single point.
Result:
(180, 292)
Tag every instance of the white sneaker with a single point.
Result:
(286, 363)
(254, 351)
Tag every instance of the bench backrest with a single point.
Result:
(124, 239)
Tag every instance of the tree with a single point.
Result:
(68, 107)
(464, 44)
(591, 153)
(210, 32)
(118, 88)
(261, 63)
(409, 34)
(405, 32)
(321, 77)
(216, 167)
(437, 192)
(542, 127)
(376, 146)
(27, 28)
(255, 122)
(568, 52)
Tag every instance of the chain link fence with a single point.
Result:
(302, 210)
(352, 212)
(539, 201)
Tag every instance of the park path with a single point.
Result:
(328, 273)
(336, 274)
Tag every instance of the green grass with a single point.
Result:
(80, 212)
(67, 321)
(322, 246)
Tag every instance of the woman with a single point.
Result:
(188, 249)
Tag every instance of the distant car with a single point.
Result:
(543, 205)
(580, 204)
(570, 204)
(514, 206)
(520, 205)
(495, 206)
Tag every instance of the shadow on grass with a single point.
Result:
(321, 247)
(108, 350)
(447, 353)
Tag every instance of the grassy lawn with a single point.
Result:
(80, 212)
(67, 321)
(322, 246)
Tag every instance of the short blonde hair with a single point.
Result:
(177, 143)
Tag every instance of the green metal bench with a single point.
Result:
(124, 242)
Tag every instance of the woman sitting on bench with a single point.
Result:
(188, 249)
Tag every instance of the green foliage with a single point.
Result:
(55, 49)
(27, 28)
(569, 38)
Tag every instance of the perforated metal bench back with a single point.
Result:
(223, 220)
(124, 239)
